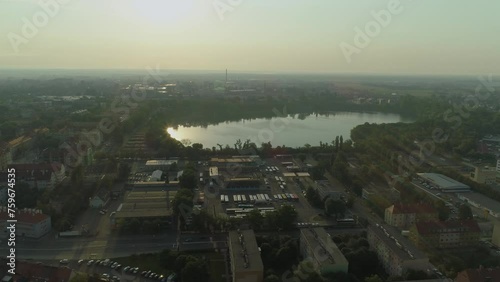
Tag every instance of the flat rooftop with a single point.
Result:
(317, 238)
(481, 200)
(233, 160)
(245, 251)
(139, 204)
(213, 171)
(406, 248)
(160, 162)
(443, 181)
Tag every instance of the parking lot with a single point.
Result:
(277, 186)
(113, 271)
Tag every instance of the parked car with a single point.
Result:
(64, 261)
(80, 262)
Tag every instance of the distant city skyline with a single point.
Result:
(415, 37)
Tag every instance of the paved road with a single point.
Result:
(84, 248)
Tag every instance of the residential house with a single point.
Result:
(40, 176)
(246, 263)
(317, 247)
(404, 216)
(31, 271)
(31, 223)
(445, 234)
(100, 199)
(395, 252)
(480, 274)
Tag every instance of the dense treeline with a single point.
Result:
(404, 149)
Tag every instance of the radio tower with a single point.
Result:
(225, 84)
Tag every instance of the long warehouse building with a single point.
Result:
(444, 183)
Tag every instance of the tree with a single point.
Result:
(183, 202)
(307, 273)
(173, 167)
(197, 146)
(313, 197)
(167, 258)
(188, 179)
(317, 172)
(335, 207)
(272, 278)
(286, 216)
(256, 219)
(123, 171)
(465, 212)
(302, 157)
(443, 211)
(267, 254)
(373, 278)
(286, 256)
(80, 277)
(350, 201)
(77, 174)
(416, 275)
(181, 261)
(336, 276)
(195, 271)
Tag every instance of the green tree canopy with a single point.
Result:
(465, 212)
(335, 208)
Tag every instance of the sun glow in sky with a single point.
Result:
(155, 12)
(427, 36)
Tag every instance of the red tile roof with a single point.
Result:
(38, 272)
(430, 227)
(479, 275)
(25, 216)
(35, 171)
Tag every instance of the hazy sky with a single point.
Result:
(426, 37)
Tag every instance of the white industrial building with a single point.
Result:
(213, 172)
(156, 175)
(444, 183)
